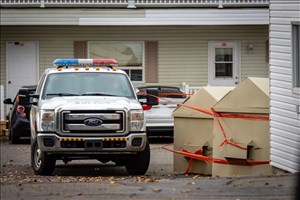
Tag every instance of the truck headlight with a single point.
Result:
(48, 121)
(137, 120)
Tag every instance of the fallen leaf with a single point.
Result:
(186, 191)
(157, 190)
(197, 176)
(112, 182)
(191, 183)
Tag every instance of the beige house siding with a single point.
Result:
(183, 50)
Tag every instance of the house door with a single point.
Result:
(21, 66)
(223, 63)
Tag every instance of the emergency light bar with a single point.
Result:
(109, 62)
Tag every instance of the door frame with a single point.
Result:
(6, 64)
(212, 45)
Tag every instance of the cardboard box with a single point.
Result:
(250, 98)
(193, 130)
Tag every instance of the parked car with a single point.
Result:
(159, 118)
(19, 121)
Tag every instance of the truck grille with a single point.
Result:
(93, 121)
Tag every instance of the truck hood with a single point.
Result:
(89, 103)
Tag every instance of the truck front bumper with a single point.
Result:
(53, 143)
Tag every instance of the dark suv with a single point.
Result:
(19, 121)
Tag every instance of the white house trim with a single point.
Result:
(76, 16)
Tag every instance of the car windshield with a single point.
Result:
(87, 84)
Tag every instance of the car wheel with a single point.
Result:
(42, 164)
(139, 164)
(13, 136)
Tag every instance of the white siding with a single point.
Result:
(284, 116)
(182, 50)
(142, 17)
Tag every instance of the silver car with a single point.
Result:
(159, 118)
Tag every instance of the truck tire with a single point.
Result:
(138, 165)
(121, 162)
(42, 164)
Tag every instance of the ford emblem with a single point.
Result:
(93, 122)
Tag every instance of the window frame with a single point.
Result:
(236, 60)
(122, 67)
(223, 62)
(295, 44)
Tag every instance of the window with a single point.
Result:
(128, 54)
(296, 54)
(223, 62)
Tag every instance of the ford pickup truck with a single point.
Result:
(88, 109)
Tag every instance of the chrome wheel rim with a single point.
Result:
(37, 158)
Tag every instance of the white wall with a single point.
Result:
(2, 115)
(284, 111)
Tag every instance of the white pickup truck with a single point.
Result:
(88, 109)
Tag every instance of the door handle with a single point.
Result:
(9, 82)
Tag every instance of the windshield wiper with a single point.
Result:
(97, 94)
(62, 94)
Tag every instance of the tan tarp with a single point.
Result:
(193, 130)
(250, 98)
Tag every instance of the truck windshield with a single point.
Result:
(87, 84)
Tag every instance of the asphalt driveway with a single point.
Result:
(93, 180)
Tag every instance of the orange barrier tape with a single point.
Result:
(199, 152)
(167, 94)
(217, 115)
(205, 111)
(216, 160)
(233, 144)
(242, 116)
(226, 141)
(219, 123)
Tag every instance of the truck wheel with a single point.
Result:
(139, 164)
(121, 162)
(42, 164)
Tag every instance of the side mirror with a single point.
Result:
(141, 95)
(8, 101)
(152, 97)
(34, 97)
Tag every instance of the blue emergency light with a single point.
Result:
(63, 62)
(89, 62)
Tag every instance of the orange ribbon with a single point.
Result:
(216, 160)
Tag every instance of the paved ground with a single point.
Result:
(92, 180)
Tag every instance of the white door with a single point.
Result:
(223, 63)
(21, 65)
